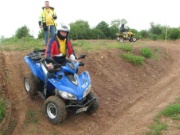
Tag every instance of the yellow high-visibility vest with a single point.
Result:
(47, 16)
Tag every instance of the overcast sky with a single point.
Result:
(138, 13)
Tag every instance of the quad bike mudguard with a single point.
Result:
(35, 68)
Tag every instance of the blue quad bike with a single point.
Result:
(67, 90)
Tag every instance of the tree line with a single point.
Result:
(81, 29)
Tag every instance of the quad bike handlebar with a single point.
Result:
(81, 63)
(82, 56)
(56, 66)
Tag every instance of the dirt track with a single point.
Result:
(129, 95)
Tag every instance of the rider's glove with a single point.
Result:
(72, 57)
(50, 66)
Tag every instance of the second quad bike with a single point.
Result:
(67, 90)
(129, 36)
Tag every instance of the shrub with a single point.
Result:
(172, 111)
(174, 34)
(146, 52)
(134, 59)
(157, 128)
(126, 47)
(22, 32)
(154, 37)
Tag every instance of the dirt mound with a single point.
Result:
(119, 85)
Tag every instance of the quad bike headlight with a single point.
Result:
(87, 91)
(67, 95)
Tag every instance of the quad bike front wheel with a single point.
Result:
(93, 108)
(133, 39)
(55, 109)
(117, 39)
(30, 85)
(121, 39)
(130, 40)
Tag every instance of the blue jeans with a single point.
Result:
(52, 30)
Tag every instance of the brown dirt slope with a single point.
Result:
(129, 95)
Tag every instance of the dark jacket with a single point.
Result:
(122, 29)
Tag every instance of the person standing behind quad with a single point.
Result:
(47, 21)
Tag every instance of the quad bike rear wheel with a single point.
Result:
(30, 85)
(55, 109)
(93, 108)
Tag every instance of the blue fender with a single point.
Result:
(64, 84)
(35, 68)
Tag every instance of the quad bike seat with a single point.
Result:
(36, 55)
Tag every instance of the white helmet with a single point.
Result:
(63, 27)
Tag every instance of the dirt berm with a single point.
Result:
(129, 95)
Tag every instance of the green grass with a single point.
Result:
(157, 128)
(166, 56)
(134, 59)
(178, 126)
(178, 99)
(156, 50)
(21, 44)
(172, 111)
(98, 44)
(79, 43)
(112, 45)
(91, 47)
(146, 52)
(28, 43)
(2, 109)
(87, 45)
(126, 47)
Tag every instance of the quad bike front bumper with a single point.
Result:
(77, 108)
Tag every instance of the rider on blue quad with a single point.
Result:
(65, 89)
(58, 47)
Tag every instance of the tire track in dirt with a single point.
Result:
(136, 119)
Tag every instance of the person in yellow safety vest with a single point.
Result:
(47, 21)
